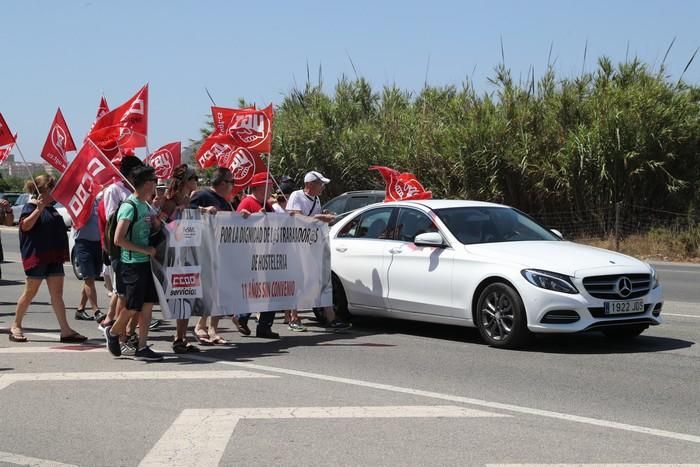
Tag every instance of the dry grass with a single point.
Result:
(659, 245)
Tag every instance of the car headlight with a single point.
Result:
(549, 280)
(654, 277)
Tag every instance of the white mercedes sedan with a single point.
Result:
(486, 265)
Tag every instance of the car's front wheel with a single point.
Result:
(624, 332)
(500, 317)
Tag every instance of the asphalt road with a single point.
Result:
(386, 393)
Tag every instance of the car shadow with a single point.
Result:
(580, 343)
(595, 343)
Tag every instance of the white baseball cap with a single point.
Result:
(314, 176)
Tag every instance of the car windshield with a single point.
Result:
(473, 225)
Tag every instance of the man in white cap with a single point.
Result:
(307, 203)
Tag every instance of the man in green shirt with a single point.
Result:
(134, 226)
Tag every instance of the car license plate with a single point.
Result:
(621, 308)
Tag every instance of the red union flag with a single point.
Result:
(401, 186)
(102, 109)
(222, 116)
(252, 128)
(243, 164)
(58, 143)
(165, 159)
(5, 133)
(5, 151)
(124, 127)
(84, 177)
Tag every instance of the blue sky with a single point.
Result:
(67, 53)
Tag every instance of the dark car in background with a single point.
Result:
(351, 200)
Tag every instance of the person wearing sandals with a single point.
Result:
(44, 248)
(88, 253)
(221, 186)
(177, 198)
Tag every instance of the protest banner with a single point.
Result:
(225, 264)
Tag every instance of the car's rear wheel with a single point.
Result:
(340, 301)
(500, 317)
(76, 267)
(624, 332)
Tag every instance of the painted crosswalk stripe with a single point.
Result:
(116, 376)
(9, 458)
(24, 350)
(208, 431)
(692, 438)
(592, 465)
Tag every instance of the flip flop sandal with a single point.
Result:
(203, 339)
(218, 340)
(75, 338)
(17, 336)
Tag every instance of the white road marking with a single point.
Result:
(199, 436)
(684, 316)
(464, 400)
(9, 378)
(8, 457)
(593, 465)
(21, 350)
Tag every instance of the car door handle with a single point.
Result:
(393, 251)
(341, 249)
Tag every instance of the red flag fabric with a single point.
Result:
(5, 151)
(5, 133)
(124, 127)
(401, 186)
(58, 142)
(102, 109)
(222, 116)
(243, 164)
(252, 128)
(84, 177)
(165, 159)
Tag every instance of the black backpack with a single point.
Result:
(111, 227)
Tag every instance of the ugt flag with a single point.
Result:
(401, 186)
(165, 159)
(84, 177)
(58, 142)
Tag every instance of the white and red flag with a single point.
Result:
(220, 150)
(222, 116)
(252, 128)
(82, 180)
(401, 186)
(5, 133)
(58, 142)
(5, 150)
(165, 159)
(102, 109)
(124, 127)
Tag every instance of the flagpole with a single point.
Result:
(267, 185)
(26, 166)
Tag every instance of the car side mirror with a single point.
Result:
(557, 233)
(431, 239)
